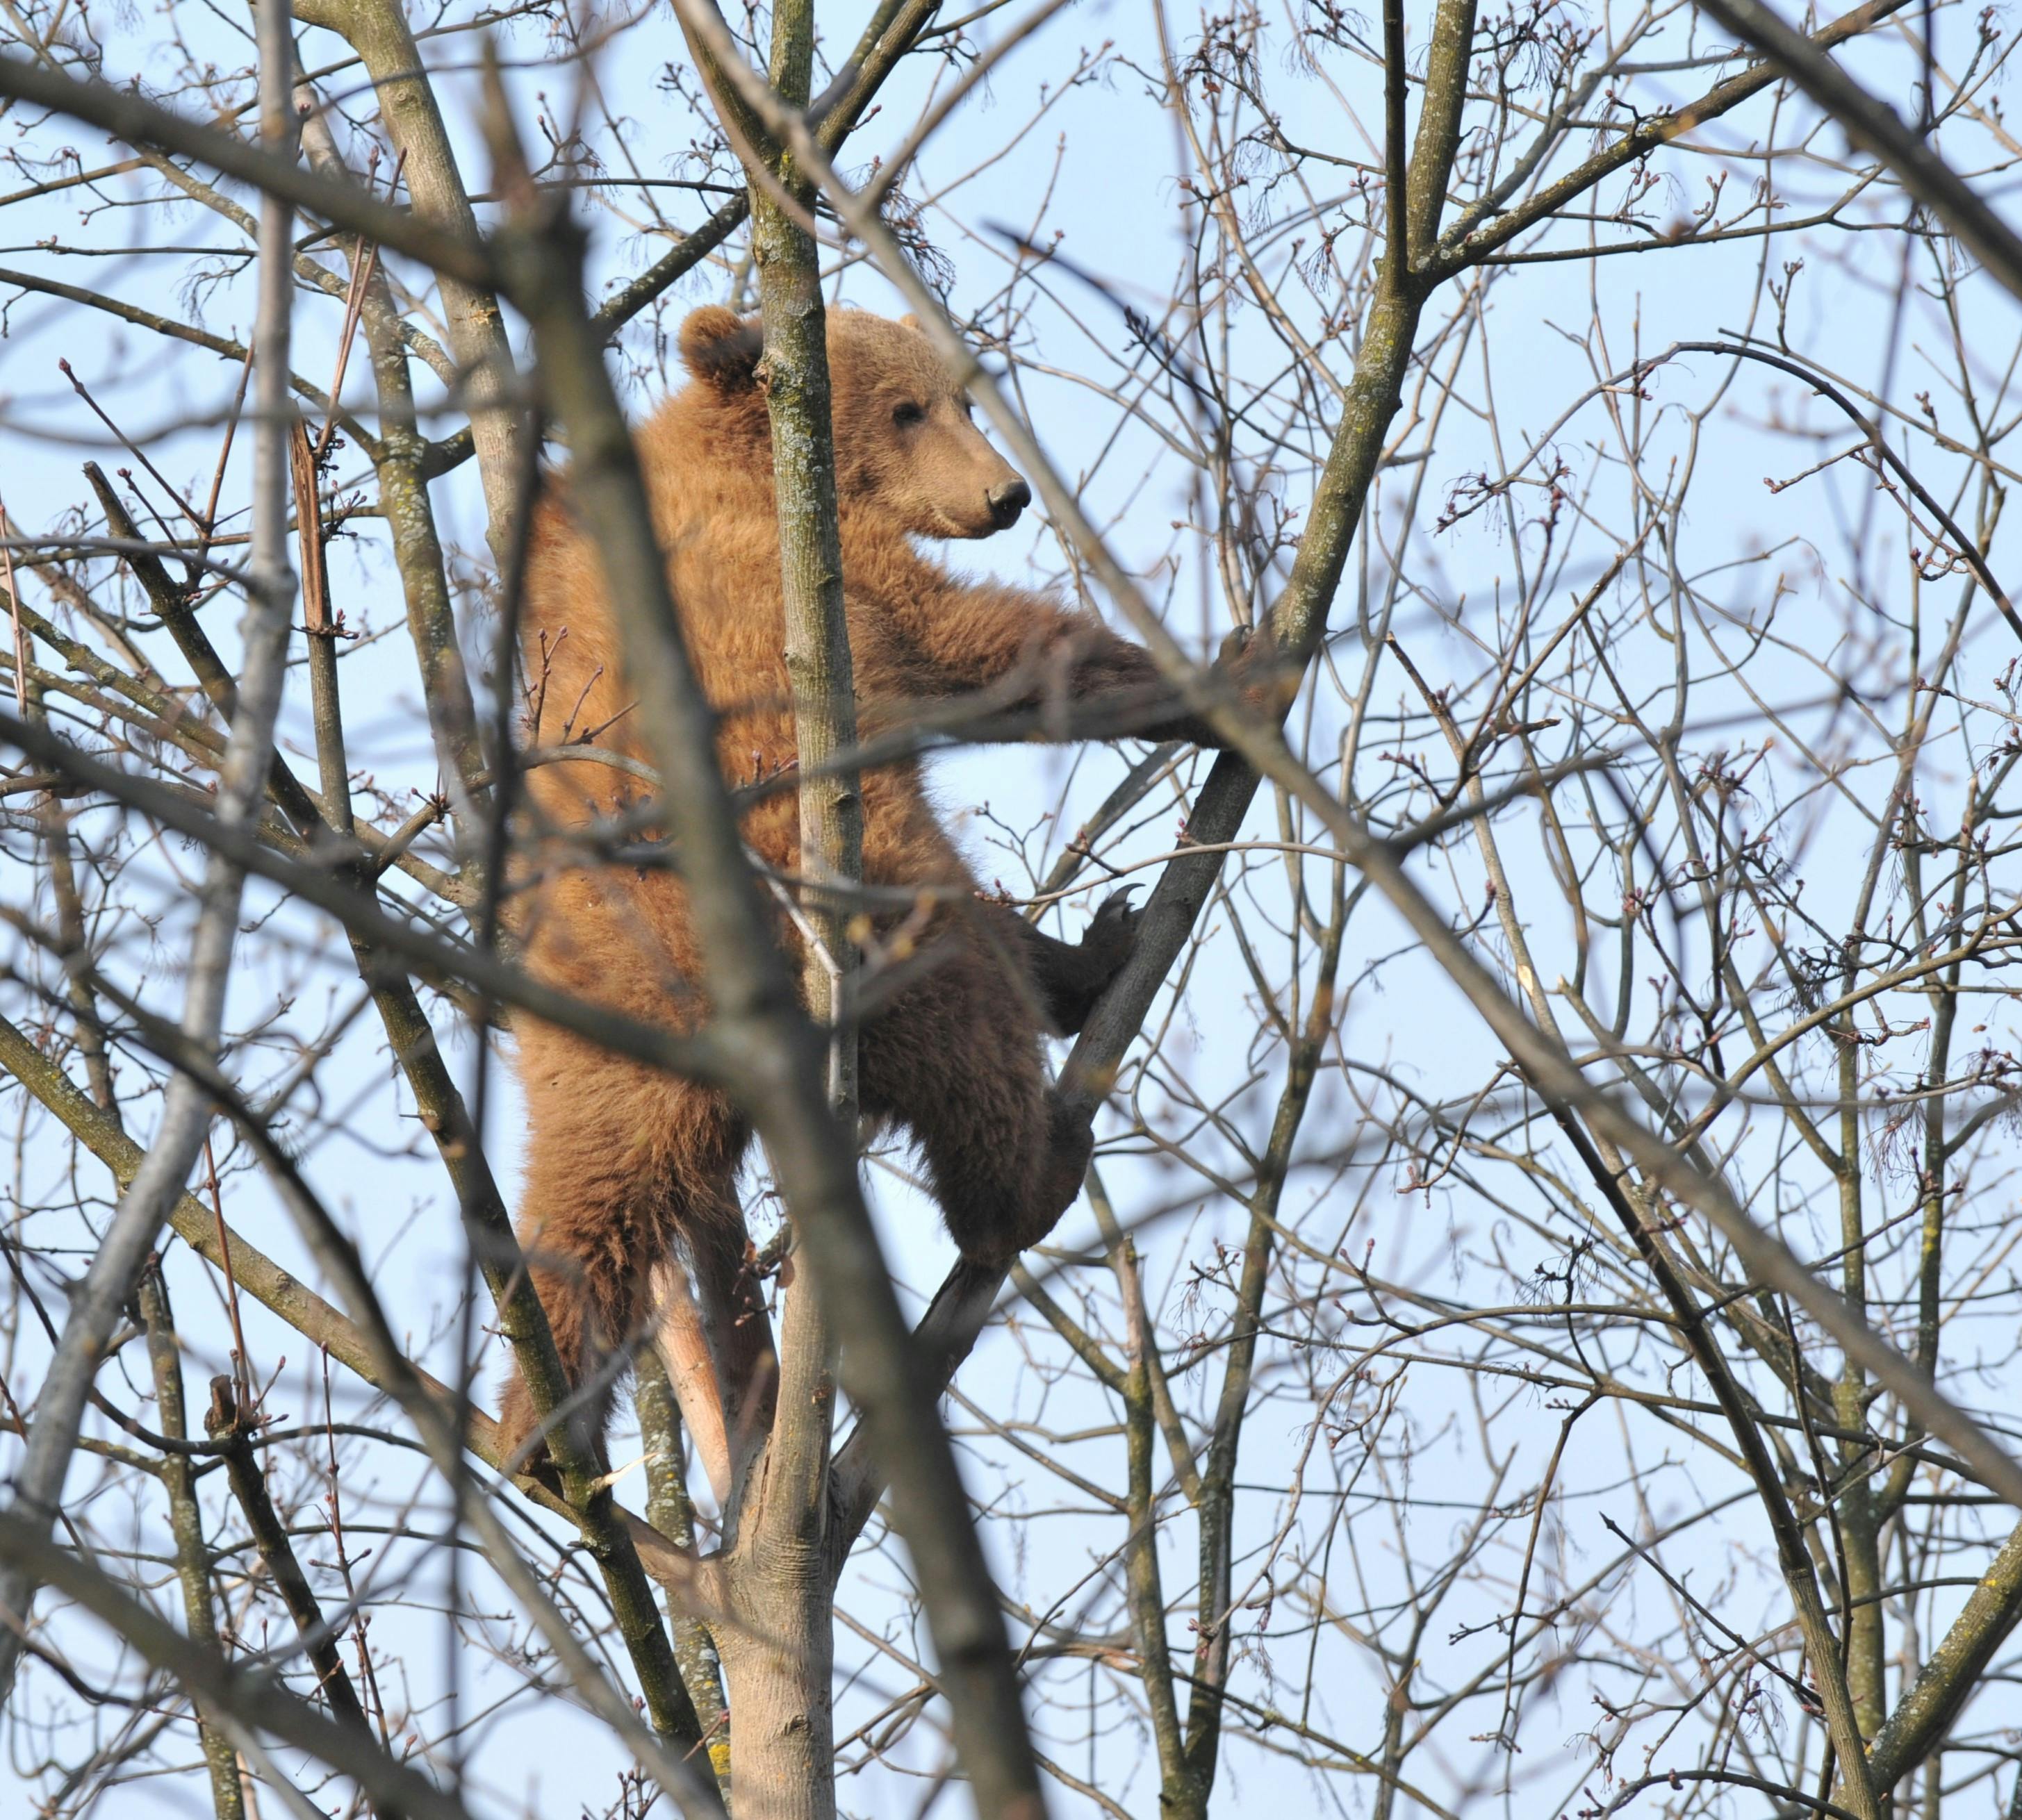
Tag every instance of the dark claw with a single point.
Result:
(1116, 907)
(1112, 931)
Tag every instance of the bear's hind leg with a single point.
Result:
(622, 1163)
(738, 1333)
(954, 1061)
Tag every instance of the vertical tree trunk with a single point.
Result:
(779, 1663)
(778, 1660)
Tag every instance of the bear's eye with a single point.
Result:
(905, 416)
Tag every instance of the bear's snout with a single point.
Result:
(1007, 499)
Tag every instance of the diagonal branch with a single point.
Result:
(250, 1703)
(122, 114)
(1471, 240)
(378, 30)
(1872, 122)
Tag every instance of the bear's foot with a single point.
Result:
(1111, 937)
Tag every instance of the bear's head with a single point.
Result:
(905, 447)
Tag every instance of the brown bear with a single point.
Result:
(624, 1164)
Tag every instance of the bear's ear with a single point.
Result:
(720, 348)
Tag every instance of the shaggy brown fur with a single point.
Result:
(624, 1163)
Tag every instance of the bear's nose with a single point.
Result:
(1007, 500)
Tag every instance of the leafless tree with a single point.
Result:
(1540, 1332)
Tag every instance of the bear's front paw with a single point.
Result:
(1112, 932)
(1250, 659)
